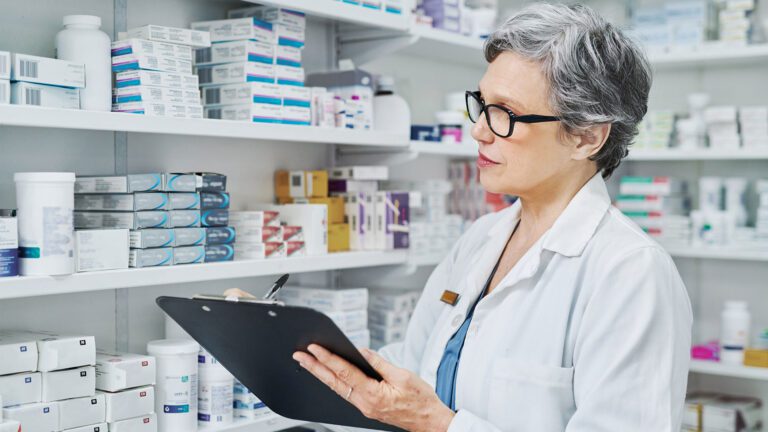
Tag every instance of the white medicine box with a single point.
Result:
(101, 249)
(69, 384)
(144, 423)
(79, 412)
(129, 403)
(98, 427)
(120, 371)
(24, 388)
(10, 426)
(35, 417)
(326, 300)
(56, 352)
(18, 353)
(5, 65)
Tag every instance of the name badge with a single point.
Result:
(449, 297)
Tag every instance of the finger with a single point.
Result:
(321, 372)
(237, 292)
(387, 370)
(344, 370)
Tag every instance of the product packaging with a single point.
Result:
(236, 51)
(219, 253)
(35, 417)
(188, 255)
(183, 219)
(145, 47)
(301, 184)
(5, 65)
(313, 219)
(255, 218)
(174, 110)
(349, 321)
(150, 257)
(69, 383)
(5, 92)
(391, 220)
(98, 427)
(156, 79)
(18, 353)
(80, 412)
(288, 56)
(234, 73)
(23, 93)
(144, 423)
(183, 201)
(214, 200)
(292, 233)
(220, 235)
(156, 95)
(148, 62)
(10, 425)
(257, 113)
(43, 70)
(214, 218)
(271, 14)
(338, 237)
(360, 173)
(138, 201)
(193, 38)
(122, 220)
(129, 403)
(236, 29)
(151, 238)
(119, 184)
(254, 251)
(9, 250)
(189, 237)
(180, 182)
(352, 186)
(289, 76)
(242, 94)
(121, 371)
(326, 300)
(101, 249)
(21, 388)
(177, 383)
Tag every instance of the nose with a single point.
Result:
(481, 132)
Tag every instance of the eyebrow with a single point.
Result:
(512, 103)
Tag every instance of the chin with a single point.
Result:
(500, 184)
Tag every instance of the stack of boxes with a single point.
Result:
(761, 223)
(677, 25)
(40, 81)
(281, 231)
(348, 94)
(655, 131)
(348, 308)
(389, 312)
(754, 126)
(735, 22)
(173, 218)
(722, 127)
(48, 382)
(712, 412)
(246, 405)
(153, 67)
(259, 235)
(126, 384)
(468, 198)
(389, 6)
(253, 71)
(659, 205)
(446, 14)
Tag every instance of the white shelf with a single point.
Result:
(720, 253)
(698, 154)
(436, 148)
(25, 116)
(711, 55)
(733, 371)
(271, 423)
(340, 11)
(32, 286)
(432, 259)
(443, 45)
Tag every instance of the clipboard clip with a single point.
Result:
(269, 297)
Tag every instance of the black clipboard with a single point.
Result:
(255, 341)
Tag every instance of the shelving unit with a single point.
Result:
(698, 154)
(733, 371)
(435, 148)
(445, 46)
(711, 55)
(347, 13)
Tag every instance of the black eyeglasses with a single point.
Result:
(500, 119)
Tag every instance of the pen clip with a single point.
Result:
(272, 293)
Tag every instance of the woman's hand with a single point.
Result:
(402, 399)
(237, 292)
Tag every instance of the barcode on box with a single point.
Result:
(205, 75)
(203, 55)
(32, 96)
(212, 96)
(214, 113)
(28, 68)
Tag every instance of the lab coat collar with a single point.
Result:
(574, 227)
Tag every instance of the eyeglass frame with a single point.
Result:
(513, 118)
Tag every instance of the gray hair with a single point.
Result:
(597, 75)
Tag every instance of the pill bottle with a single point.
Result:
(81, 41)
(46, 203)
(735, 321)
(391, 111)
(450, 123)
(9, 243)
(176, 389)
(215, 398)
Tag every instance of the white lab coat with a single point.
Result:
(589, 332)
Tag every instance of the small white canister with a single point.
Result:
(177, 381)
(216, 395)
(46, 204)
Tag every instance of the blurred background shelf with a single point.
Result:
(733, 371)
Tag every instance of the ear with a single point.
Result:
(591, 141)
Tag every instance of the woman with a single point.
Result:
(568, 317)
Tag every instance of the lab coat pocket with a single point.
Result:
(526, 396)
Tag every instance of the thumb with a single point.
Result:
(387, 370)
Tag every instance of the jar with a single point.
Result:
(82, 41)
(177, 381)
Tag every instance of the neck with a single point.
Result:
(541, 207)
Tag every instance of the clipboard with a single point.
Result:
(255, 341)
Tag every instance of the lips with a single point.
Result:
(483, 161)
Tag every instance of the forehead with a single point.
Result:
(516, 81)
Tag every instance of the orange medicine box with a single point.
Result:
(335, 205)
(338, 237)
(756, 357)
(301, 184)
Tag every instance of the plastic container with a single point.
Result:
(176, 389)
(216, 397)
(81, 41)
(392, 113)
(450, 123)
(735, 321)
(9, 244)
(46, 203)
(736, 198)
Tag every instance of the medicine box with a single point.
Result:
(368, 218)
(137, 201)
(121, 371)
(336, 186)
(389, 318)
(179, 182)
(157, 95)
(271, 14)
(289, 75)
(119, 184)
(338, 237)
(80, 412)
(69, 383)
(22, 388)
(220, 235)
(129, 403)
(18, 353)
(355, 218)
(397, 300)
(293, 115)
(101, 249)
(144, 47)
(394, 6)
(301, 184)
(150, 257)
(288, 56)
(732, 414)
(193, 38)
(183, 201)
(290, 35)
(236, 29)
(335, 207)
(326, 300)
(151, 238)
(254, 235)
(650, 186)
(214, 218)
(5, 92)
(57, 352)
(43, 417)
(151, 62)
(214, 200)
(144, 423)
(257, 113)
(391, 220)
(189, 237)
(254, 251)
(184, 218)
(236, 51)
(242, 94)
(23, 93)
(122, 220)
(98, 427)
(233, 73)
(380, 172)
(360, 338)
(255, 218)
(295, 248)
(153, 109)
(211, 182)
(371, 4)
(349, 321)
(296, 96)
(313, 220)
(292, 233)
(156, 79)
(272, 249)
(5, 65)
(268, 234)
(43, 70)
(9, 425)
(219, 253)
(188, 255)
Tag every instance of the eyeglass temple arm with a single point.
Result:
(535, 118)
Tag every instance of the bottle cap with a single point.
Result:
(82, 20)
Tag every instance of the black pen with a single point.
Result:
(276, 287)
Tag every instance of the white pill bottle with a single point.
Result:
(735, 321)
(177, 381)
(46, 205)
(82, 41)
(216, 395)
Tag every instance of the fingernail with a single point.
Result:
(295, 356)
